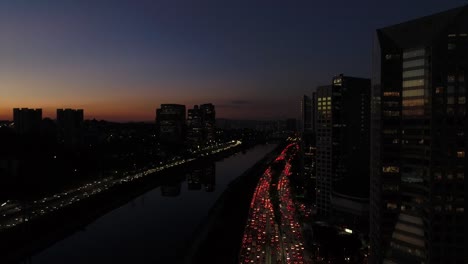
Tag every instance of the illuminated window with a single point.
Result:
(413, 73)
(460, 210)
(413, 63)
(413, 102)
(391, 113)
(451, 46)
(451, 78)
(391, 94)
(460, 154)
(411, 93)
(439, 90)
(462, 100)
(413, 112)
(413, 83)
(413, 53)
(391, 169)
(392, 206)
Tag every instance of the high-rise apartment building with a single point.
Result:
(208, 122)
(194, 126)
(70, 126)
(170, 122)
(201, 124)
(342, 139)
(418, 135)
(27, 121)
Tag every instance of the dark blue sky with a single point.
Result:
(120, 59)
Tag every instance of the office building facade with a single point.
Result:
(342, 139)
(418, 135)
(170, 122)
(208, 122)
(201, 125)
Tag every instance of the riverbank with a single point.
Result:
(218, 240)
(34, 236)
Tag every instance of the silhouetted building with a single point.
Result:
(308, 146)
(419, 141)
(208, 122)
(70, 126)
(306, 113)
(342, 136)
(313, 112)
(323, 149)
(170, 121)
(201, 124)
(194, 126)
(27, 121)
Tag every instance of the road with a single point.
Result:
(265, 240)
(13, 213)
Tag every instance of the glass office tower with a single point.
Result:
(418, 140)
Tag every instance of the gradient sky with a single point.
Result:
(119, 60)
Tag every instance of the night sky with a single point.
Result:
(119, 60)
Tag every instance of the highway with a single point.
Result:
(265, 240)
(13, 213)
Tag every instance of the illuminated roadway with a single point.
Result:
(12, 213)
(265, 240)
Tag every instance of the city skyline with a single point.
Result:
(233, 132)
(120, 62)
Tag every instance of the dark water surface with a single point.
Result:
(154, 227)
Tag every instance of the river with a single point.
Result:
(154, 227)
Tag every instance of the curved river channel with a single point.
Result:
(154, 227)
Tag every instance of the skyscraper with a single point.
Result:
(194, 126)
(418, 135)
(170, 121)
(70, 126)
(306, 114)
(27, 121)
(342, 136)
(208, 121)
(201, 124)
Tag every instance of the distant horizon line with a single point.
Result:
(152, 121)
